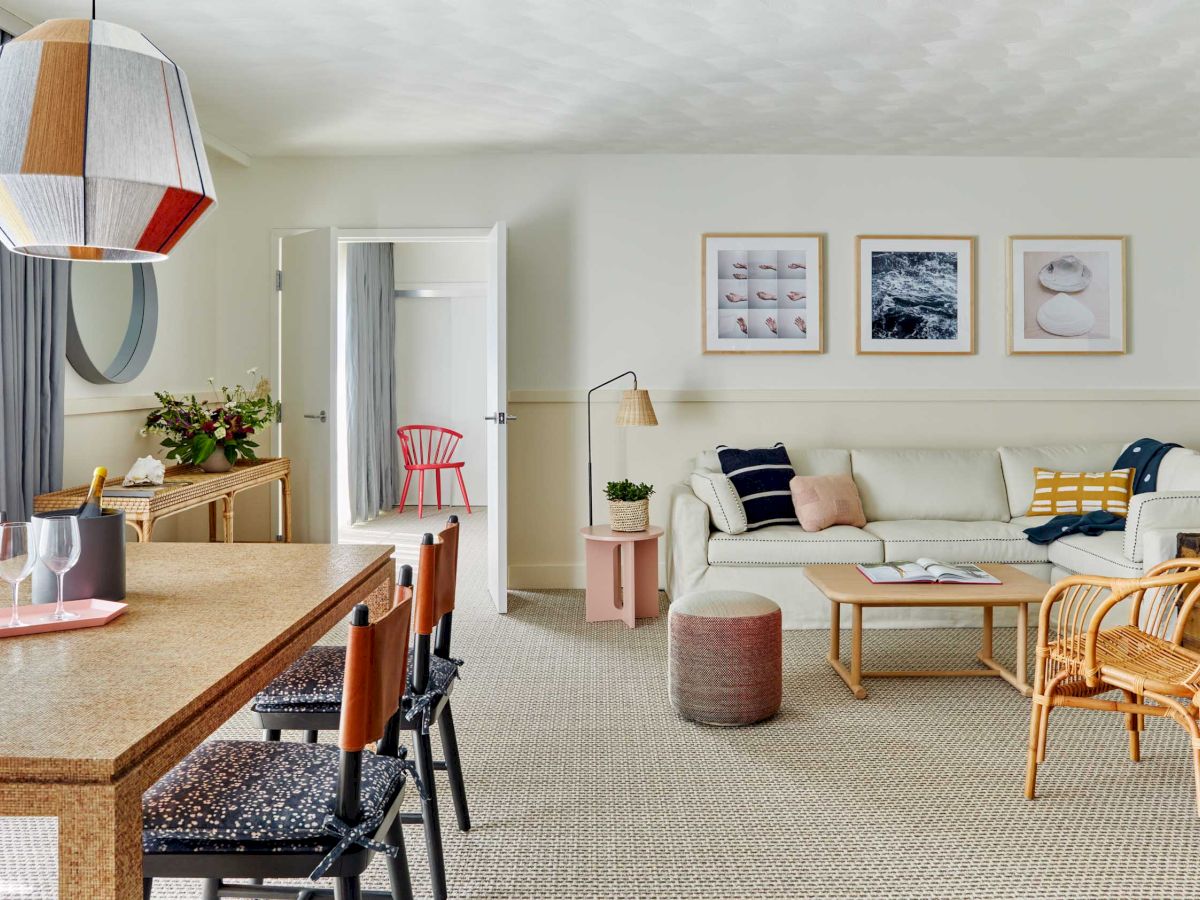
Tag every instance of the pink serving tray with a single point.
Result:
(91, 613)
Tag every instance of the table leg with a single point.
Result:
(212, 521)
(856, 646)
(628, 583)
(835, 630)
(1016, 679)
(228, 506)
(286, 480)
(99, 843)
(986, 650)
(853, 675)
(1023, 648)
(147, 534)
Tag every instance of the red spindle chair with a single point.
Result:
(426, 448)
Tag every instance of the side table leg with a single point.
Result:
(228, 502)
(286, 481)
(147, 531)
(212, 521)
(628, 583)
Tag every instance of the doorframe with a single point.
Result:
(341, 236)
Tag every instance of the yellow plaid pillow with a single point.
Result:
(1059, 493)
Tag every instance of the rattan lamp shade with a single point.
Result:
(101, 156)
(636, 409)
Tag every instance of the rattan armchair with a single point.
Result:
(1078, 659)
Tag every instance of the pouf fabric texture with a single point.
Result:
(725, 652)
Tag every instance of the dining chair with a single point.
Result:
(429, 448)
(1078, 659)
(306, 696)
(255, 810)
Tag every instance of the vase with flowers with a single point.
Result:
(213, 434)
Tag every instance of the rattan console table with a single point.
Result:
(203, 489)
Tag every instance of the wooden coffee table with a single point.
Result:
(846, 584)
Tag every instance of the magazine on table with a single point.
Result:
(926, 571)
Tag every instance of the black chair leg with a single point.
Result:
(147, 888)
(271, 734)
(429, 815)
(458, 790)
(399, 878)
(310, 737)
(347, 889)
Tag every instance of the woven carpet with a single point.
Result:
(583, 783)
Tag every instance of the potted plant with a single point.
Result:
(213, 435)
(628, 505)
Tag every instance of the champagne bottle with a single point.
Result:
(91, 505)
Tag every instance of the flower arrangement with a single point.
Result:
(213, 435)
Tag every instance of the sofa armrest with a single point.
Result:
(1158, 510)
(687, 551)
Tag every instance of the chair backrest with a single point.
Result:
(447, 585)
(1164, 611)
(427, 445)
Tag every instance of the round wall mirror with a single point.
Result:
(112, 319)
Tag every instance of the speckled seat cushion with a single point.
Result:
(313, 683)
(259, 795)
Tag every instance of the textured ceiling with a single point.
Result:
(970, 77)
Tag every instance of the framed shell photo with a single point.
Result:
(763, 293)
(1066, 294)
(915, 294)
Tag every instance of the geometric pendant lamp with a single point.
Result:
(101, 156)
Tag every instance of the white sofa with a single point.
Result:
(953, 505)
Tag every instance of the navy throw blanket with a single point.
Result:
(1091, 524)
(1144, 455)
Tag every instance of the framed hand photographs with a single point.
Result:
(763, 293)
(915, 294)
(1066, 294)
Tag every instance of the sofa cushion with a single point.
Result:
(1103, 554)
(791, 545)
(761, 477)
(721, 497)
(954, 542)
(964, 485)
(1079, 493)
(806, 461)
(1019, 462)
(822, 501)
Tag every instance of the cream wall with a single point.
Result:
(604, 276)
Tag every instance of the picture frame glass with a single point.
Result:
(916, 294)
(1066, 295)
(763, 293)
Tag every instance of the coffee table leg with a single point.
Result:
(1017, 678)
(1023, 648)
(986, 651)
(852, 676)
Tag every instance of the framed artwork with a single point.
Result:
(763, 293)
(915, 294)
(1066, 294)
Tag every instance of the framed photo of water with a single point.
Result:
(916, 294)
(1066, 294)
(763, 293)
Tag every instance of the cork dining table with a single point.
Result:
(90, 718)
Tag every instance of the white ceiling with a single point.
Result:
(959, 77)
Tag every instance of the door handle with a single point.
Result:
(500, 418)
(319, 416)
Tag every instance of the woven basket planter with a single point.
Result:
(629, 515)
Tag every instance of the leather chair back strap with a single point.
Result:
(429, 568)
(376, 668)
(447, 574)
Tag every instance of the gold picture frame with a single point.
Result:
(763, 325)
(964, 246)
(1035, 340)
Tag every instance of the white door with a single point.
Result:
(498, 419)
(308, 375)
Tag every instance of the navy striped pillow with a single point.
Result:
(761, 477)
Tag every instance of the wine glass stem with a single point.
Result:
(16, 619)
(58, 609)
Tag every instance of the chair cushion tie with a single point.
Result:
(348, 835)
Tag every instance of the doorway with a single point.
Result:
(449, 361)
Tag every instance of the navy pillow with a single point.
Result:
(761, 478)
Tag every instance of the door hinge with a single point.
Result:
(279, 413)
(279, 279)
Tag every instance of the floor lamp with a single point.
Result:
(635, 409)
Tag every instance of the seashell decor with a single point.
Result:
(1067, 273)
(1065, 316)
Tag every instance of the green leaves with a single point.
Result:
(192, 430)
(627, 491)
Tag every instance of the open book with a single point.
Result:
(926, 571)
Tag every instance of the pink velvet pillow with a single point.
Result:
(824, 500)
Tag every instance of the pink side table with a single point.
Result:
(622, 573)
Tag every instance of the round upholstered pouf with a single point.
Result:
(726, 657)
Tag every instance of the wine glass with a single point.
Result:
(18, 556)
(58, 547)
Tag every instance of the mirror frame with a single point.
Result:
(140, 333)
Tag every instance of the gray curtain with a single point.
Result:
(374, 464)
(33, 339)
